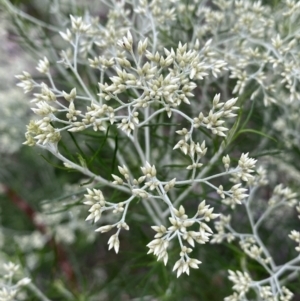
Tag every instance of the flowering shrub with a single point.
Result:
(147, 104)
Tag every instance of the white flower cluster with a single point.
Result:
(283, 195)
(254, 247)
(98, 205)
(9, 289)
(242, 282)
(258, 51)
(179, 224)
(148, 187)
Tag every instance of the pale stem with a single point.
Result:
(265, 214)
(126, 208)
(216, 188)
(37, 292)
(290, 263)
(279, 272)
(137, 145)
(84, 170)
(155, 206)
(236, 234)
(264, 44)
(254, 230)
(147, 137)
(291, 276)
(209, 178)
(80, 80)
(134, 59)
(100, 90)
(166, 199)
(75, 51)
(140, 152)
(61, 69)
(150, 117)
(179, 238)
(151, 212)
(153, 32)
(157, 210)
(64, 128)
(201, 174)
(51, 81)
(183, 115)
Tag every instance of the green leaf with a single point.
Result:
(63, 145)
(230, 135)
(268, 153)
(82, 161)
(77, 145)
(175, 165)
(249, 115)
(100, 147)
(66, 196)
(53, 164)
(255, 132)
